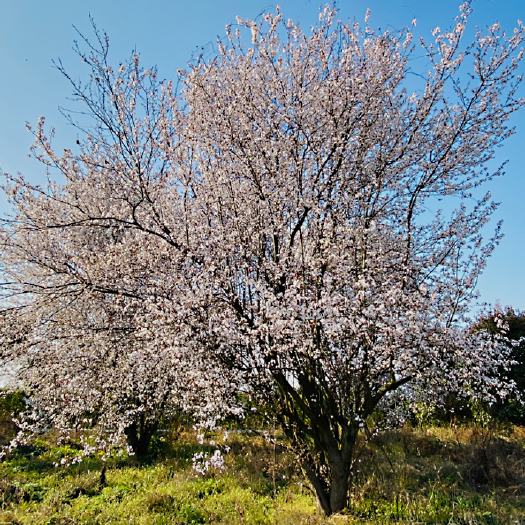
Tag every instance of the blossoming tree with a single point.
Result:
(332, 285)
(93, 270)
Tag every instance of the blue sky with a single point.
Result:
(168, 32)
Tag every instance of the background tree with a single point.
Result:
(511, 325)
(101, 370)
(92, 298)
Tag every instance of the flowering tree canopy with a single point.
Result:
(273, 222)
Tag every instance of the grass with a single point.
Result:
(465, 475)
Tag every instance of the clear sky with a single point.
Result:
(167, 32)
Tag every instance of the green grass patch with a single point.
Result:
(431, 476)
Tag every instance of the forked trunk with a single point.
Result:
(330, 476)
(333, 496)
(332, 485)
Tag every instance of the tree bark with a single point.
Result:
(340, 475)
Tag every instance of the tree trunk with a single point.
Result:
(139, 435)
(330, 473)
(321, 489)
(332, 497)
(339, 487)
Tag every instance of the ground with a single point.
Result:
(434, 475)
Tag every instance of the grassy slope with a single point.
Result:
(437, 475)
